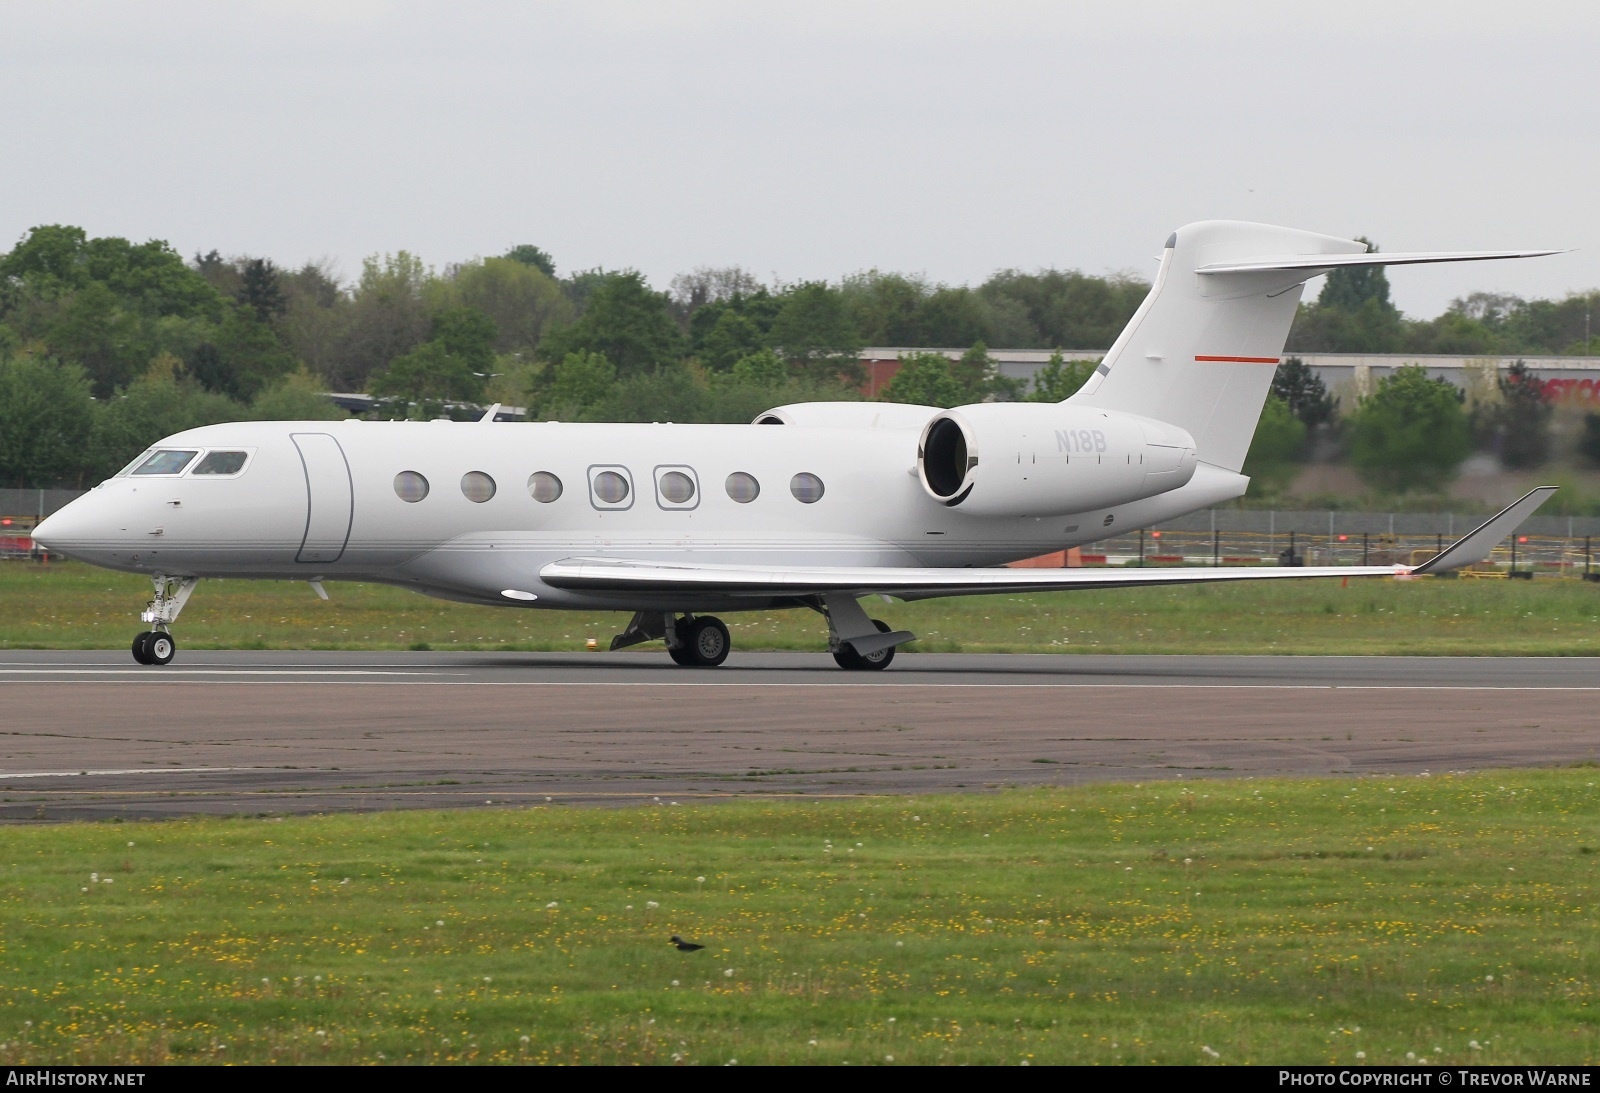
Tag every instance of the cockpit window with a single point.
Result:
(138, 459)
(166, 462)
(221, 463)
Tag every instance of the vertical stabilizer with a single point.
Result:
(1200, 351)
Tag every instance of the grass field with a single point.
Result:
(1448, 918)
(71, 606)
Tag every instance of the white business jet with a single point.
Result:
(812, 505)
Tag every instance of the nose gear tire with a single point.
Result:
(159, 648)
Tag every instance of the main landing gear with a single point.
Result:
(846, 657)
(858, 644)
(692, 641)
(157, 646)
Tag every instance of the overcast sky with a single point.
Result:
(812, 139)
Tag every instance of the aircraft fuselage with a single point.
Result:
(453, 509)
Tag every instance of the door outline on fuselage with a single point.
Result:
(330, 497)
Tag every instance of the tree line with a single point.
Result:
(106, 345)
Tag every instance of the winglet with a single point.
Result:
(1477, 544)
(488, 415)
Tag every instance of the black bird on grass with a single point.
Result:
(685, 946)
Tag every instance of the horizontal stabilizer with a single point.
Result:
(1479, 543)
(1267, 262)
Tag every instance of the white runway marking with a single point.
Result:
(50, 671)
(6, 776)
(918, 684)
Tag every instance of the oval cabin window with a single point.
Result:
(477, 487)
(410, 486)
(743, 488)
(806, 487)
(544, 487)
(676, 487)
(611, 487)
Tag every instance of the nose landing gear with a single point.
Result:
(154, 647)
(157, 646)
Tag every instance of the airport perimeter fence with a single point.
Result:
(1565, 546)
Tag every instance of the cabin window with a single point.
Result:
(676, 488)
(743, 488)
(610, 487)
(166, 462)
(410, 486)
(806, 487)
(221, 463)
(477, 487)
(544, 487)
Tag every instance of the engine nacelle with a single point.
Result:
(1049, 459)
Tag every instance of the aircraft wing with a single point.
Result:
(617, 575)
(622, 575)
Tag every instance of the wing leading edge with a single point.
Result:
(621, 575)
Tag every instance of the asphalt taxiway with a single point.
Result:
(92, 734)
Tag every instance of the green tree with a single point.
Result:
(763, 368)
(297, 397)
(980, 378)
(626, 322)
(1304, 392)
(1589, 440)
(1060, 379)
(46, 416)
(469, 334)
(732, 338)
(246, 357)
(421, 382)
(1411, 433)
(260, 289)
(533, 257)
(1279, 439)
(91, 328)
(520, 299)
(1067, 309)
(576, 386)
(672, 392)
(814, 330)
(315, 324)
(926, 379)
(1517, 428)
(387, 318)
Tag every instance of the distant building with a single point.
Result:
(1347, 375)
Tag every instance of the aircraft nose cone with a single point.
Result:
(68, 529)
(46, 533)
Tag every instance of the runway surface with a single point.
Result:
(91, 734)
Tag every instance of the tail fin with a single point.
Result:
(1200, 351)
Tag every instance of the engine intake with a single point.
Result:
(1048, 459)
